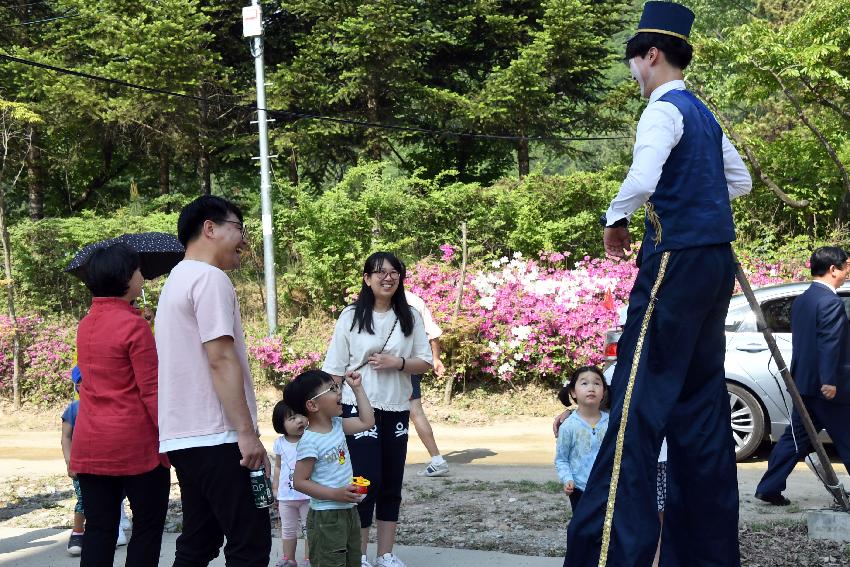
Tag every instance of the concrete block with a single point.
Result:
(829, 524)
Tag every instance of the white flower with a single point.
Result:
(517, 255)
(487, 303)
(513, 343)
(521, 332)
(505, 368)
(517, 356)
(495, 263)
(504, 260)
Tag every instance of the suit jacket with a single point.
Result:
(821, 337)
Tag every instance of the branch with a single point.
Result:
(818, 134)
(751, 157)
(824, 101)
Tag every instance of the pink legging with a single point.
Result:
(293, 517)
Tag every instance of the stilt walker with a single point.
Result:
(669, 379)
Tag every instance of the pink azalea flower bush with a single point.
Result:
(282, 361)
(535, 318)
(760, 273)
(47, 358)
(520, 319)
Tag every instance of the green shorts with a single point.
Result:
(334, 537)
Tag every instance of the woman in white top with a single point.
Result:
(384, 339)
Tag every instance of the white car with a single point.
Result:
(761, 408)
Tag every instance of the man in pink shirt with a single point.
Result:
(207, 407)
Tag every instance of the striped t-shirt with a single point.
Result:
(333, 462)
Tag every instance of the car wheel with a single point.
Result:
(747, 421)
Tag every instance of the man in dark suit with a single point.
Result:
(820, 365)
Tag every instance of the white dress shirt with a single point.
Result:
(659, 130)
(829, 287)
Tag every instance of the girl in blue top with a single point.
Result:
(580, 436)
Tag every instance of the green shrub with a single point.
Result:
(41, 250)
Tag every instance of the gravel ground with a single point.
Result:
(521, 517)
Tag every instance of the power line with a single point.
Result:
(36, 3)
(63, 16)
(308, 116)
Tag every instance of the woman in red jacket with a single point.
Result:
(115, 449)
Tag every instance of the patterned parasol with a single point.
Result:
(158, 253)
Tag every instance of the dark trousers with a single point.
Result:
(217, 501)
(148, 496)
(379, 455)
(825, 415)
(574, 499)
(676, 389)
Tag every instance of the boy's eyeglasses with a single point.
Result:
(334, 388)
(393, 275)
(238, 224)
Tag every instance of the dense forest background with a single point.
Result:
(395, 121)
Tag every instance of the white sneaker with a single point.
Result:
(364, 562)
(126, 523)
(122, 538)
(389, 560)
(441, 469)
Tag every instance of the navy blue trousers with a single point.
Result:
(825, 415)
(678, 391)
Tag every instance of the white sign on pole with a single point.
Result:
(252, 21)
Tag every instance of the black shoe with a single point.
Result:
(775, 499)
(75, 544)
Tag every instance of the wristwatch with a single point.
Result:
(621, 223)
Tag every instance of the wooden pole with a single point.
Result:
(830, 480)
(447, 393)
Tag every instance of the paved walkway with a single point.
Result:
(46, 548)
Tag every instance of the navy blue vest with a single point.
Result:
(691, 201)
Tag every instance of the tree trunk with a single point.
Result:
(164, 170)
(106, 174)
(447, 393)
(203, 145)
(522, 157)
(10, 304)
(293, 167)
(374, 144)
(35, 177)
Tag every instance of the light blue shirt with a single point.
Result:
(333, 462)
(578, 445)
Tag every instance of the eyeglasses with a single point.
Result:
(334, 388)
(237, 223)
(382, 274)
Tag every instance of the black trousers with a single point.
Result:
(102, 495)
(379, 455)
(669, 380)
(217, 501)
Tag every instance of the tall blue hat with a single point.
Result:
(666, 18)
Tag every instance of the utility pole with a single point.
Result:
(252, 26)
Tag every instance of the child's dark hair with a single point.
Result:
(567, 393)
(302, 388)
(280, 414)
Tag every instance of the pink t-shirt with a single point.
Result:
(198, 304)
